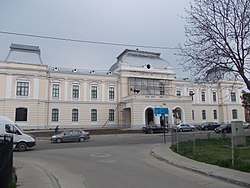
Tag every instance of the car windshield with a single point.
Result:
(223, 126)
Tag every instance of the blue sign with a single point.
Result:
(160, 111)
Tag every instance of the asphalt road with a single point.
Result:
(112, 161)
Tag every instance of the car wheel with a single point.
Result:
(192, 129)
(58, 140)
(151, 132)
(22, 146)
(206, 128)
(81, 139)
(180, 130)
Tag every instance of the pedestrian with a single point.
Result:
(56, 129)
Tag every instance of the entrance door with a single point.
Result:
(149, 116)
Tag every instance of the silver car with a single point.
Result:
(184, 127)
(72, 135)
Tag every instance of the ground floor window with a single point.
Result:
(55, 114)
(234, 114)
(111, 115)
(203, 114)
(75, 115)
(21, 114)
(93, 115)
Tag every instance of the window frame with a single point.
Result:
(23, 89)
(203, 115)
(93, 114)
(234, 114)
(233, 96)
(111, 92)
(75, 91)
(111, 115)
(203, 96)
(55, 115)
(55, 90)
(94, 91)
(24, 114)
(75, 115)
(215, 113)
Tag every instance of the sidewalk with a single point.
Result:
(165, 154)
(31, 175)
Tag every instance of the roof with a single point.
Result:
(136, 58)
(24, 54)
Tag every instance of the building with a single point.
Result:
(140, 89)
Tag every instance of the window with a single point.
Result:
(233, 97)
(93, 115)
(111, 93)
(55, 90)
(22, 89)
(234, 114)
(192, 114)
(215, 114)
(75, 115)
(162, 89)
(75, 91)
(178, 93)
(21, 114)
(55, 114)
(191, 93)
(203, 114)
(94, 92)
(203, 96)
(214, 96)
(111, 115)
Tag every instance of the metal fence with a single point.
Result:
(6, 160)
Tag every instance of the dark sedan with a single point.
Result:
(150, 129)
(224, 128)
(209, 126)
(72, 135)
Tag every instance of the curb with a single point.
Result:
(236, 182)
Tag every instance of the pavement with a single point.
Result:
(31, 175)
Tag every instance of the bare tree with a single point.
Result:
(218, 36)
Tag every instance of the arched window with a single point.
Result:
(21, 114)
(111, 115)
(75, 115)
(55, 114)
(93, 115)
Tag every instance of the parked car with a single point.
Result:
(224, 128)
(245, 125)
(150, 129)
(72, 135)
(209, 126)
(183, 127)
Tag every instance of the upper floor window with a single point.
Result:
(203, 115)
(21, 114)
(178, 93)
(162, 89)
(111, 92)
(94, 92)
(55, 90)
(214, 96)
(233, 96)
(191, 93)
(203, 96)
(93, 115)
(55, 114)
(234, 114)
(22, 89)
(75, 115)
(75, 91)
(111, 115)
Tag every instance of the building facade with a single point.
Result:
(38, 96)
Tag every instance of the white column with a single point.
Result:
(103, 90)
(66, 90)
(36, 89)
(84, 90)
(8, 84)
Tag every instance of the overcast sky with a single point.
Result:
(140, 22)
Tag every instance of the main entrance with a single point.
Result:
(149, 116)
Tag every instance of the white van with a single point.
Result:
(21, 140)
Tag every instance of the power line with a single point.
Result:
(86, 41)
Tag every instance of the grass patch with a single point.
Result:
(217, 152)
